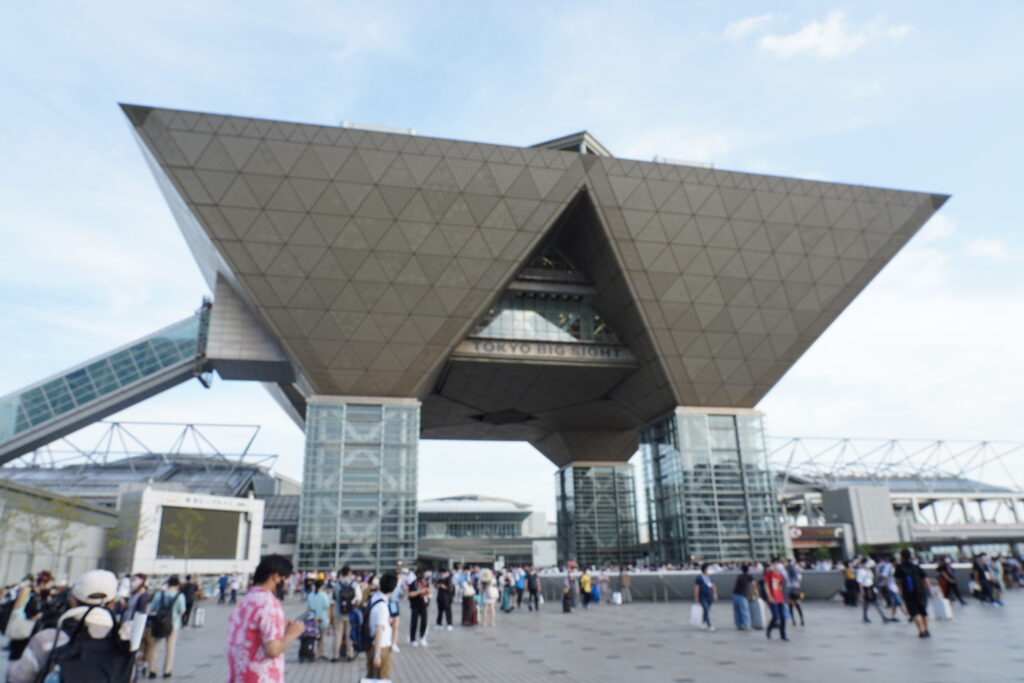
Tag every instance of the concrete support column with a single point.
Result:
(358, 502)
(597, 520)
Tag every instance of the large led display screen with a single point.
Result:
(197, 534)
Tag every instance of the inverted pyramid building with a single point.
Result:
(552, 294)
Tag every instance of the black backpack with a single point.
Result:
(345, 597)
(367, 639)
(162, 624)
(87, 660)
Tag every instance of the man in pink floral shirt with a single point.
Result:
(258, 634)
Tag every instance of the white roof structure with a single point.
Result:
(472, 504)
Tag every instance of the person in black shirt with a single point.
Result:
(418, 595)
(913, 584)
(189, 590)
(743, 591)
(445, 591)
(533, 589)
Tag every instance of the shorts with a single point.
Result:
(795, 594)
(916, 607)
(393, 609)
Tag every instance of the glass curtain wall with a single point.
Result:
(597, 522)
(359, 486)
(708, 488)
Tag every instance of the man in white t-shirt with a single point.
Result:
(378, 657)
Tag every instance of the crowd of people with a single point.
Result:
(350, 612)
(169, 606)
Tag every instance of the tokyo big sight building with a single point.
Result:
(387, 288)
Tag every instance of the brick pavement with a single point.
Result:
(651, 642)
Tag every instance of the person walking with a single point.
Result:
(258, 633)
(947, 580)
(222, 589)
(586, 588)
(850, 588)
(868, 593)
(318, 604)
(469, 615)
(774, 594)
(27, 599)
(519, 581)
(604, 587)
(395, 607)
(166, 603)
(347, 597)
(533, 590)
(489, 596)
(235, 585)
(625, 585)
(445, 594)
(419, 593)
(138, 603)
(189, 590)
(704, 593)
(507, 594)
(914, 588)
(794, 592)
(744, 591)
(378, 656)
(986, 579)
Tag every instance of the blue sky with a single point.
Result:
(891, 94)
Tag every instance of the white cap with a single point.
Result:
(96, 587)
(98, 622)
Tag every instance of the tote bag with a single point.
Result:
(696, 615)
(19, 627)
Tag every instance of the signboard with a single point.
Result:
(545, 352)
(545, 553)
(810, 536)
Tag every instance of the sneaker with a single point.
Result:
(711, 628)
(394, 648)
(450, 627)
(415, 643)
(424, 643)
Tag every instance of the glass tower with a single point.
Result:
(597, 522)
(710, 495)
(359, 484)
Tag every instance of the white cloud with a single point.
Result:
(917, 355)
(938, 227)
(830, 38)
(738, 30)
(995, 250)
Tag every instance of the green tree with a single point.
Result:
(821, 553)
(63, 538)
(34, 529)
(865, 550)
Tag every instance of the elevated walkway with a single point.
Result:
(70, 400)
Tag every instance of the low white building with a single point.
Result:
(40, 530)
(176, 532)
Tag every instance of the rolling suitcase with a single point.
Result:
(307, 649)
(759, 615)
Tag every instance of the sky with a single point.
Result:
(887, 94)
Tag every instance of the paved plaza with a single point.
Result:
(651, 642)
